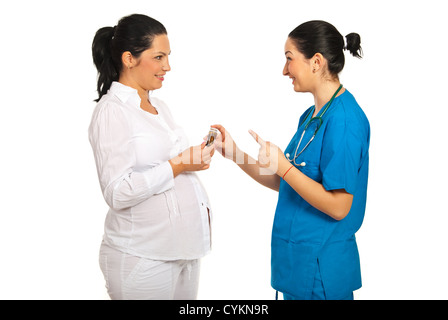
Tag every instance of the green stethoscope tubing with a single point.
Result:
(317, 118)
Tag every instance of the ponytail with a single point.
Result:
(353, 44)
(102, 58)
(133, 33)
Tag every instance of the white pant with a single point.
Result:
(133, 278)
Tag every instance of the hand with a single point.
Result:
(195, 158)
(225, 144)
(270, 156)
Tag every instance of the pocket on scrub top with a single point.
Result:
(311, 170)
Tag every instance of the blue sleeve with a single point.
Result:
(342, 152)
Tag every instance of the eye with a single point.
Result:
(158, 58)
(288, 58)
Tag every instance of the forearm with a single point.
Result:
(335, 203)
(177, 167)
(134, 187)
(251, 167)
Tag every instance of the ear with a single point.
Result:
(127, 60)
(318, 62)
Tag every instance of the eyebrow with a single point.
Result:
(162, 53)
(288, 52)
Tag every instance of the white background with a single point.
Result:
(227, 60)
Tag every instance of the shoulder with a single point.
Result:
(347, 109)
(109, 110)
(347, 119)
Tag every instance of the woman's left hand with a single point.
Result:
(270, 156)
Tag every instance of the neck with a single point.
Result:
(145, 104)
(324, 92)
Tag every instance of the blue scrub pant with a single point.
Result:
(318, 291)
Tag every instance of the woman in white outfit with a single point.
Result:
(158, 224)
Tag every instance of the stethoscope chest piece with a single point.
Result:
(297, 164)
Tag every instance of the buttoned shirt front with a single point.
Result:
(151, 213)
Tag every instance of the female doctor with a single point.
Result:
(322, 176)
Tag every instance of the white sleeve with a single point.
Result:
(110, 135)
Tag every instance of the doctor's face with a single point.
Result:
(297, 68)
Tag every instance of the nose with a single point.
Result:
(285, 69)
(166, 66)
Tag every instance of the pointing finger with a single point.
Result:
(260, 141)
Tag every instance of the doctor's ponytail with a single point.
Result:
(133, 33)
(322, 37)
(353, 44)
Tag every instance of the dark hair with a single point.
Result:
(321, 37)
(133, 33)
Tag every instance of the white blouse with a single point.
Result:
(151, 214)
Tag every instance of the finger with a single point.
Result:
(257, 138)
(221, 129)
(268, 149)
(208, 149)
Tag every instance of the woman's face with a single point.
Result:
(298, 68)
(153, 64)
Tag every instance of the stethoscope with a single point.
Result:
(319, 121)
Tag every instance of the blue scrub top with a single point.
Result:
(304, 239)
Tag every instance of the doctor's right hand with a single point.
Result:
(225, 144)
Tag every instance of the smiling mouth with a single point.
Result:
(161, 78)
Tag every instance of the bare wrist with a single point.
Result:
(283, 168)
(177, 166)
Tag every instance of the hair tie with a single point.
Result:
(345, 42)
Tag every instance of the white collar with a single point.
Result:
(125, 94)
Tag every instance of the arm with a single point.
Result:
(334, 203)
(252, 168)
(110, 136)
(228, 148)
